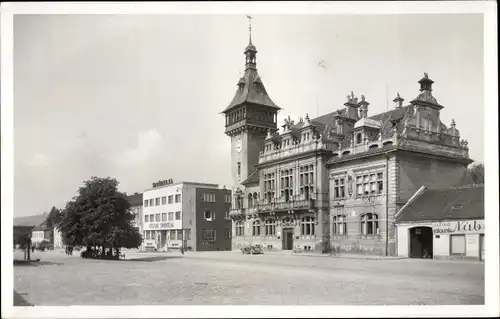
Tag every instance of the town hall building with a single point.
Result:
(334, 182)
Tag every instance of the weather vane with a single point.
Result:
(249, 26)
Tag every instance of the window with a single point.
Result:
(339, 188)
(157, 217)
(177, 215)
(270, 227)
(178, 198)
(457, 243)
(339, 225)
(256, 228)
(306, 181)
(179, 234)
(227, 234)
(147, 234)
(250, 200)
(173, 235)
(146, 218)
(240, 229)
(171, 199)
(287, 184)
(269, 183)
(164, 217)
(164, 200)
(369, 224)
(227, 198)
(227, 216)
(170, 216)
(209, 216)
(157, 201)
(358, 138)
(208, 237)
(188, 234)
(370, 184)
(208, 197)
(146, 202)
(307, 226)
(151, 202)
(239, 168)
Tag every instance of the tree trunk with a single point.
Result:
(29, 249)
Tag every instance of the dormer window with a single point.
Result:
(358, 138)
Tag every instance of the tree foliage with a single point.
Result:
(476, 172)
(99, 216)
(54, 218)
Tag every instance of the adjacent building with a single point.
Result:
(185, 214)
(442, 224)
(335, 181)
(135, 201)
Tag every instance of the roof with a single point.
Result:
(135, 200)
(252, 178)
(30, 221)
(251, 90)
(41, 227)
(464, 202)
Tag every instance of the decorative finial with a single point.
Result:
(398, 96)
(426, 75)
(362, 98)
(453, 123)
(307, 118)
(352, 95)
(249, 27)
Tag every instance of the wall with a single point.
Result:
(251, 145)
(417, 170)
(220, 224)
(189, 214)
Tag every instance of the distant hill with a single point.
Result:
(34, 220)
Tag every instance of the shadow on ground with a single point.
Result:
(151, 259)
(19, 301)
(33, 263)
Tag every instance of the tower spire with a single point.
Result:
(249, 28)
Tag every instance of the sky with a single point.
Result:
(138, 98)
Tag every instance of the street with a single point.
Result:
(222, 278)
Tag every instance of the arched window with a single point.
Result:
(250, 201)
(339, 225)
(358, 138)
(240, 228)
(255, 199)
(307, 226)
(256, 228)
(270, 227)
(369, 224)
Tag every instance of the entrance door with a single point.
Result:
(421, 242)
(481, 247)
(287, 241)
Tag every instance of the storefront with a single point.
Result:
(443, 224)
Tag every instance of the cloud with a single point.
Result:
(39, 160)
(149, 143)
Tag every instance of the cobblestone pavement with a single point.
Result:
(217, 278)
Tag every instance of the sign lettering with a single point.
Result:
(458, 227)
(163, 183)
(161, 225)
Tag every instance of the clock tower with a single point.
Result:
(249, 116)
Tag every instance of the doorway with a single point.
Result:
(421, 242)
(287, 240)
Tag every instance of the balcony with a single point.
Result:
(286, 206)
(237, 213)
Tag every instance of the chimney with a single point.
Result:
(398, 101)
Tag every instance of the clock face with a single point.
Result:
(238, 146)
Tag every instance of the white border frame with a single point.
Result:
(488, 8)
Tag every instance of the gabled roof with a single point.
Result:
(251, 90)
(30, 221)
(252, 178)
(135, 200)
(463, 202)
(41, 227)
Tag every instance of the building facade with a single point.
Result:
(185, 214)
(443, 224)
(135, 202)
(335, 181)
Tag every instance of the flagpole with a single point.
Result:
(386, 98)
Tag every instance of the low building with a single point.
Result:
(136, 209)
(442, 224)
(185, 214)
(41, 233)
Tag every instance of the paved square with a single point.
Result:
(218, 278)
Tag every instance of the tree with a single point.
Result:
(476, 172)
(99, 216)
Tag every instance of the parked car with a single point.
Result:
(252, 250)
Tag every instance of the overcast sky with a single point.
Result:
(138, 98)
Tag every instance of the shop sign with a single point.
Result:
(161, 225)
(458, 227)
(163, 183)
